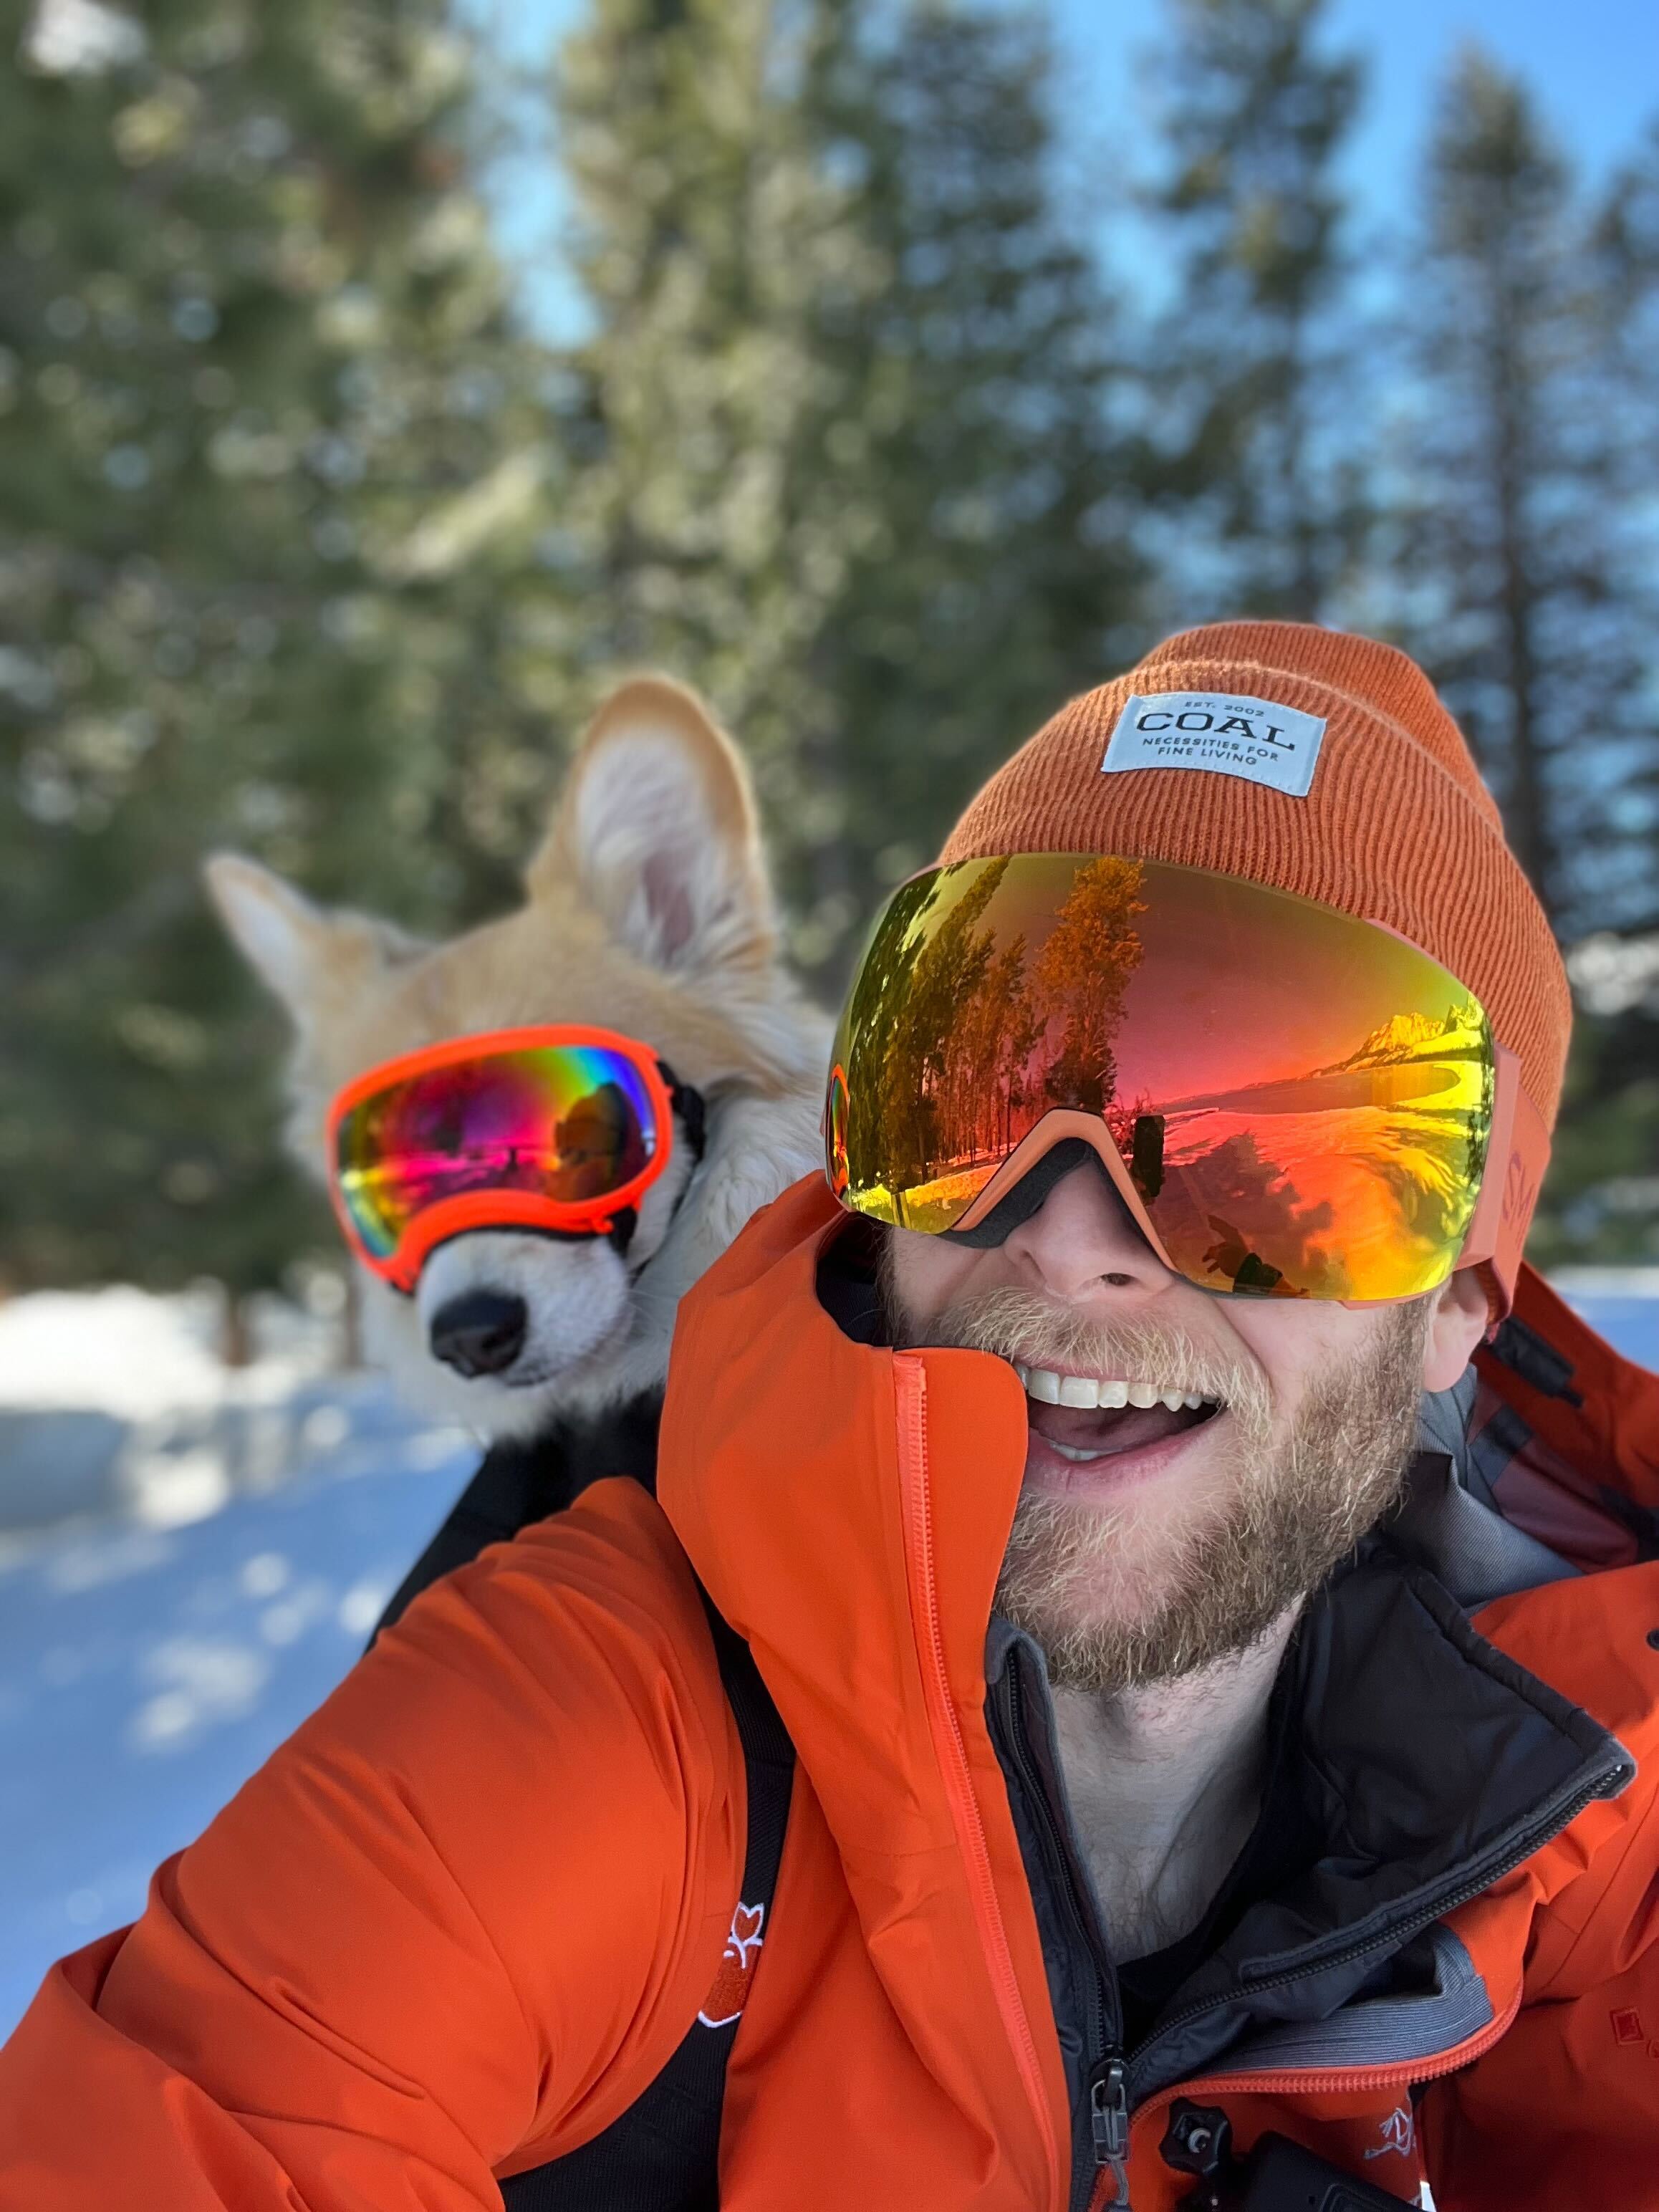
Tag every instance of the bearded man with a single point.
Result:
(1137, 1685)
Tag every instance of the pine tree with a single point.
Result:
(1602, 1202)
(705, 233)
(1252, 401)
(1529, 593)
(973, 427)
(846, 393)
(256, 423)
(1626, 266)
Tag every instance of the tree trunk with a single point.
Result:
(351, 1324)
(236, 1346)
(1528, 821)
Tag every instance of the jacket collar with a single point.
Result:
(847, 1507)
(779, 1467)
(1428, 1764)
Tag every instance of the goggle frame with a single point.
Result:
(447, 1218)
(1518, 1155)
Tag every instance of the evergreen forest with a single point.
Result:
(314, 543)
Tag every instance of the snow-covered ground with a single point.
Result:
(190, 1559)
(189, 1562)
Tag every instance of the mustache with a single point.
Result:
(1015, 1324)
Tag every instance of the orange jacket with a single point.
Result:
(461, 1919)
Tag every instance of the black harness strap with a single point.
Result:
(522, 1482)
(662, 2155)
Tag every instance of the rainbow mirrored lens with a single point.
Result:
(569, 1123)
(1302, 1100)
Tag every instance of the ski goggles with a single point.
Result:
(560, 1129)
(1292, 1103)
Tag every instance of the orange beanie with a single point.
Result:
(1394, 826)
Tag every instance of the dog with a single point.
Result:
(647, 911)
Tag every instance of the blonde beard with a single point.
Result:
(1120, 1596)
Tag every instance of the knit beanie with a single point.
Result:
(1313, 761)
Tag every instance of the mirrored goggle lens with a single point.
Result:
(570, 1124)
(1302, 1100)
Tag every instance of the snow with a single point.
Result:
(229, 1542)
(230, 1539)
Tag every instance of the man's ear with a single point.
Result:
(300, 950)
(1457, 1322)
(656, 831)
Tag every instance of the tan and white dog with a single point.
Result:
(647, 911)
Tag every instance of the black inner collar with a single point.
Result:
(1418, 1763)
(1283, 1847)
(847, 1283)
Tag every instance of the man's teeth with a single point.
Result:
(1050, 1389)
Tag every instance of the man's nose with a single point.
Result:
(1082, 1240)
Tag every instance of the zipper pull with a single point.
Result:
(1109, 2123)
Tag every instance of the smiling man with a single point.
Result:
(1139, 1684)
(1194, 1470)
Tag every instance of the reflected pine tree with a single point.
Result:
(962, 1046)
(1083, 970)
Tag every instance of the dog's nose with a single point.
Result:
(481, 1332)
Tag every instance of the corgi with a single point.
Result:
(647, 911)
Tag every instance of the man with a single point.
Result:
(1217, 1710)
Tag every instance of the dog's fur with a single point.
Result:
(647, 911)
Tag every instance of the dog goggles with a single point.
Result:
(1292, 1103)
(560, 1129)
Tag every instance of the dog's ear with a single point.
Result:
(656, 830)
(301, 951)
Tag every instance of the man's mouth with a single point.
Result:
(1086, 1418)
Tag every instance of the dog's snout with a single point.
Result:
(481, 1332)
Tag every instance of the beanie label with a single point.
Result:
(1228, 734)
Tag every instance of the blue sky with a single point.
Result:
(1594, 65)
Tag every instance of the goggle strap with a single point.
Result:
(620, 1231)
(691, 1107)
(1517, 1154)
(1486, 1224)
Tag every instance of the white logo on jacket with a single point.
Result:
(726, 2001)
(1399, 2133)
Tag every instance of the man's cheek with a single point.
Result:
(924, 1277)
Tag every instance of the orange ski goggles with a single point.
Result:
(557, 1129)
(1292, 1103)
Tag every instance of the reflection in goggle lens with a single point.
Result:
(567, 1123)
(1302, 1100)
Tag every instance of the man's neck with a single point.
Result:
(1165, 1783)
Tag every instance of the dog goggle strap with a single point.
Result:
(1291, 1102)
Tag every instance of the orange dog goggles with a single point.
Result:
(557, 1129)
(1292, 1103)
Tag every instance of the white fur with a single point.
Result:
(651, 858)
(278, 931)
(649, 912)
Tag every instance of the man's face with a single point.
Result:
(1261, 1439)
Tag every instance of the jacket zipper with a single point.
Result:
(1108, 2072)
(1314, 2080)
(1109, 2125)
(910, 1404)
(1334, 2081)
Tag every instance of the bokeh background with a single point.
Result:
(378, 378)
